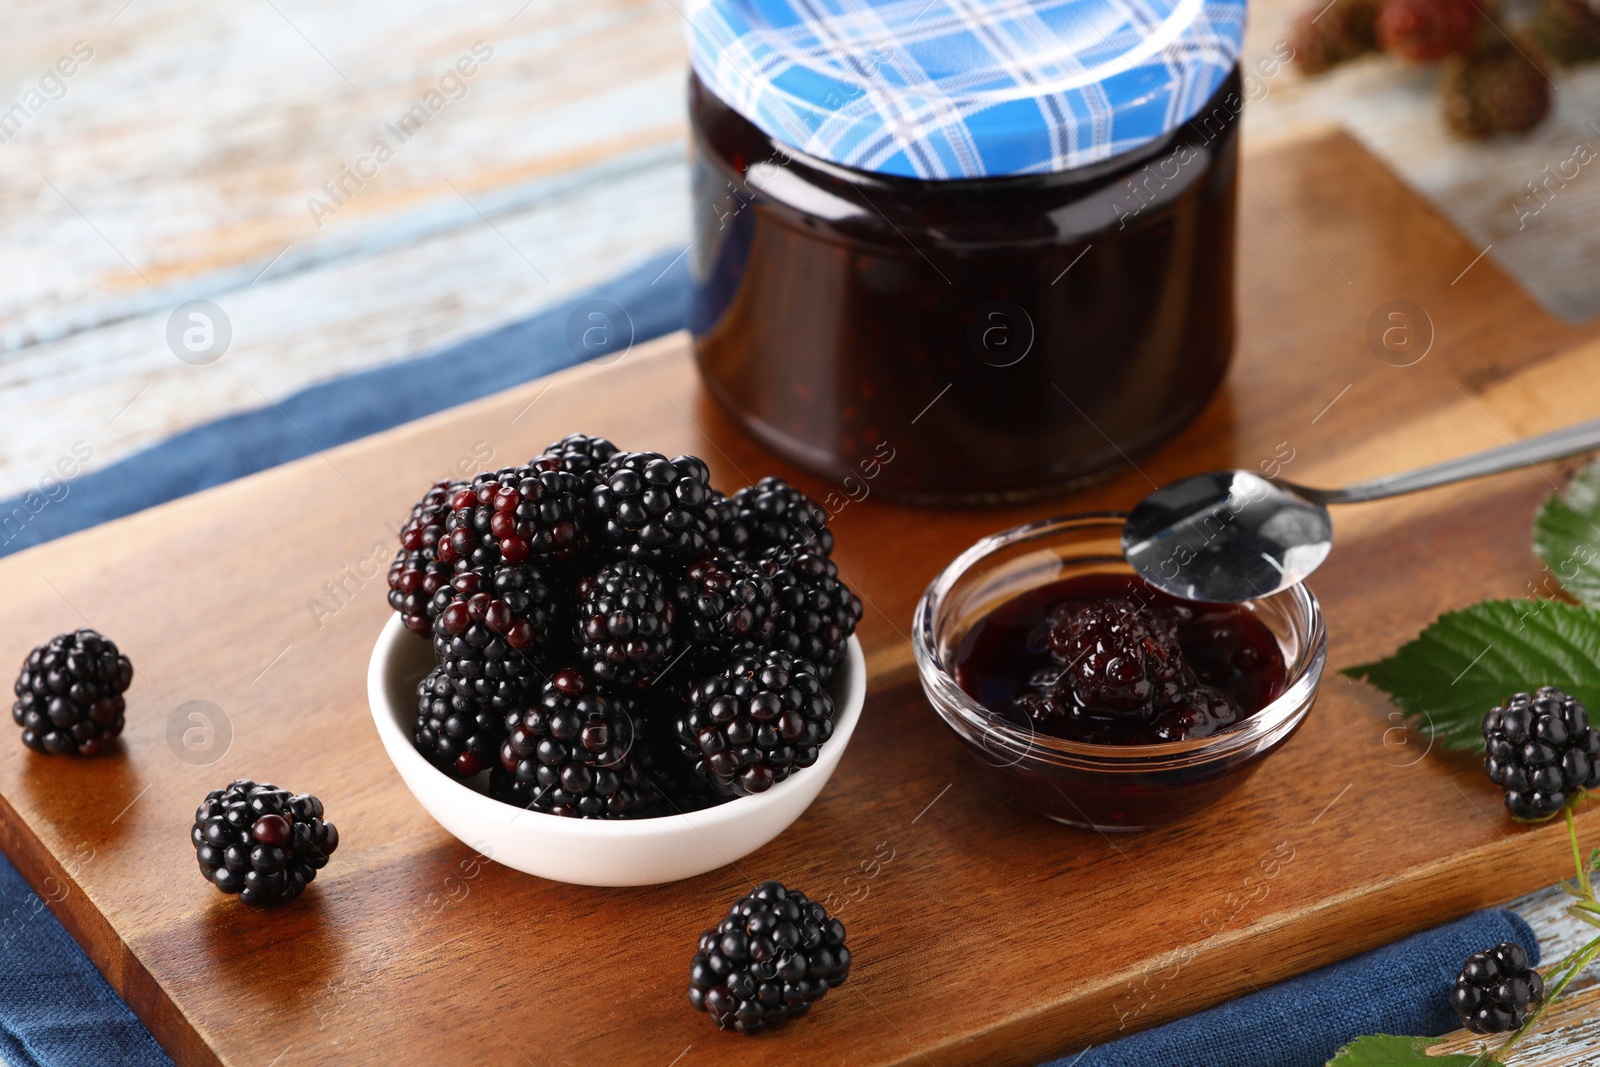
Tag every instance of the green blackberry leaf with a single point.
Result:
(1566, 535)
(1386, 1050)
(1465, 662)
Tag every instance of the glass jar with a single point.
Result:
(970, 336)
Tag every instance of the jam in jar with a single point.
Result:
(1004, 296)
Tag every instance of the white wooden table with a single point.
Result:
(195, 150)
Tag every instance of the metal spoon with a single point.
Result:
(1232, 536)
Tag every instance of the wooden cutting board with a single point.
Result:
(982, 934)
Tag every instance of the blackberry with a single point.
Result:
(577, 454)
(571, 754)
(1495, 989)
(261, 842)
(1498, 90)
(1567, 31)
(780, 516)
(417, 573)
(489, 634)
(69, 694)
(1541, 750)
(774, 956)
(1425, 30)
(728, 531)
(757, 722)
(648, 507)
(1120, 662)
(625, 624)
(512, 514)
(817, 612)
(726, 606)
(1324, 37)
(456, 733)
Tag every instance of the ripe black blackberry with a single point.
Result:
(625, 624)
(571, 754)
(417, 573)
(757, 722)
(261, 842)
(728, 530)
(726, 606)
(1541, 750)
(577, 454)
(69, 694)
(491, 635)
(775, 955)
(780, 516)
(513, 514)
(1495, 989)
(817, 612)
(681, 781)
(649, 508)
(457, 733)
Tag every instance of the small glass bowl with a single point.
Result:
(1100, 787)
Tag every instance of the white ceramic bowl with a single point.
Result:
(594, 851)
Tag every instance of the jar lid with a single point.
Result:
(946, 89)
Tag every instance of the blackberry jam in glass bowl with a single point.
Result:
(991, 242)
(1018, 645)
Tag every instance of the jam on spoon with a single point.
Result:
(1109, 659)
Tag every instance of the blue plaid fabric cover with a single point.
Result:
(946, 89)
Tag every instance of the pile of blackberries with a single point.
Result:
(614, 638)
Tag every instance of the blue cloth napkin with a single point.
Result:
(55, 1008)
(647, 302)
(1401, 988)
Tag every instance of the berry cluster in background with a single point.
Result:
(1496, 76)
(614, 638)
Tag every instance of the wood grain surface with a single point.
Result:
(990, 936)
(178, 161)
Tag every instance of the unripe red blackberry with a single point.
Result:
(261, 842)
(775, 955)
(1425, 30)
(69, 694)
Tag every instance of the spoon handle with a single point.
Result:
(1558, 444)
